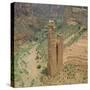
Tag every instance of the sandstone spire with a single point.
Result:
(55, 50)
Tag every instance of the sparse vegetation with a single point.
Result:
(32, 82)
(70, 75)
(44, 71)
(31, 31)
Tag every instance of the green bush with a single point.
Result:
(39, 66)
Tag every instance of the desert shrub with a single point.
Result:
(39, 66)
(44, 71)
(70, 70)
(25, 71)
(37, 57)
(32, 82)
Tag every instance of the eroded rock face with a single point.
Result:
(55, 50)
